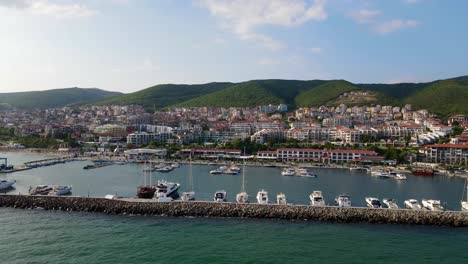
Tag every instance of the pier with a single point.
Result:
(34, 164)
(259, 211)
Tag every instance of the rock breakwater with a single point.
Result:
(213, 209)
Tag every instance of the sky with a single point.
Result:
(129, 45)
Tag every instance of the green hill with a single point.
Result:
(445, 97)
(163, 95)
(324, 93)
(53, 98)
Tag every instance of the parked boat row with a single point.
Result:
(388, 174)
(162, 167)
(55, 190)
(302, 172)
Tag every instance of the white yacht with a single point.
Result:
(5, 184)
(303, 172)
(398, 176)
(262, 197)
(281, 199)
(343, 200)
(357, 168)
(220, 196)
(316, 198)
(219, 170)
(167, 189)
(432, 205)
(175, 165)
(234, 169)
(58, 190)
(464, 204)
(188, 196)
(390, 203)
(40, 189)
(288, 172)
(373, 202)
(412, 204)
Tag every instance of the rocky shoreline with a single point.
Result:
(213, 209)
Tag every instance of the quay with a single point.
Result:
(34, 164)
(252, 210)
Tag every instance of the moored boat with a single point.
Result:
(398, 176)
(432, 205)
(6, 184)
(281, 199)
(288, 172)
(422, 171)
(242, 197)
(412, 204)
(390, 203)
(303, 172)
(262, 197)
(343, 200)
(166, 189)
(40, 189)
(373, 202)
(464, 204)
(220, 196)
(58, 190)
(145, 192)
(316, 198)
(188, 196)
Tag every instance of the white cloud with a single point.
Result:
(49, 8)
(316, 50)
(364, 16)
(243, 17)
(393, 25)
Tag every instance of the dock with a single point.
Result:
(36, 164)
(234, 210)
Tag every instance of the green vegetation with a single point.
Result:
(325, 93)
(53, 98)
(163, 95)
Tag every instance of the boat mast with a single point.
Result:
(190, 173)
(243, 173)
(150, 172)
(144, 173)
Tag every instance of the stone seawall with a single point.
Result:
(212, 209)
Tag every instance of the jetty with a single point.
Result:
(226, 209)
(33, 164)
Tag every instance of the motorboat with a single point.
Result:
(412, 204)
(398, 176)
(357, 168)
(166, 168)
(390, 203)
(6, 184)
(235, 169)
(188, 196)
(316, 198)
(464, 203)
(242, 197)
(175, 165)
(220, 196)
(262, 197)
(145, 192)
(58, 190)
(220, 170)
(40, 189)
(432, 205)
(373, 202)
(303, 172)
(383, 175)
(281, 199)
(167, 189)
(343, 200)
(288, 172)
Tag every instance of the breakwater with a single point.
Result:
(213, 209)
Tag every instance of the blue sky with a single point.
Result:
(128, 45)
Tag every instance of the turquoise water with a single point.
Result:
(36, 236)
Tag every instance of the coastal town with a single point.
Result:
(341, 134)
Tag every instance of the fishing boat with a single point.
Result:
(288, 172)
(220, 196)
(316, 198)
(281, 199)
(262, 197)
(432, 205)
(390, 203)
(242, 197)
(40, 189)
(373, 202)
(464, 204)
(6, 184)
(59, 190)
(343, 200)
(190, 195)
(412, 204)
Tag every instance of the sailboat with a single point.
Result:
(464, 204)
(190, 195)
(243, 197)
(146, 191)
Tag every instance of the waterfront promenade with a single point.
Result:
(233, 210)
